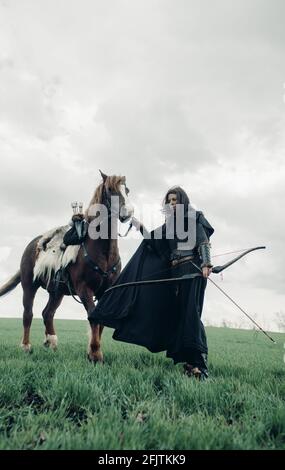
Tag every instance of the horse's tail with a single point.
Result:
(11, 284)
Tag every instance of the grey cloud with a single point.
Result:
(25, 104)
(152, 139)
(6, 62)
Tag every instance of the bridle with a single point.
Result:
(113, 269)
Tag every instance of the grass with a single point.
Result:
(139, 400)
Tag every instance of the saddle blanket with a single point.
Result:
(52, 254)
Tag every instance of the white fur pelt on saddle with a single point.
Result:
(51, 254)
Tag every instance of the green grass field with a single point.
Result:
(139, 400)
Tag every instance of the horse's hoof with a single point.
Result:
(95, 358)
(26, 347)
(51, 342)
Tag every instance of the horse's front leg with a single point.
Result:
(48, 314)
(94, 347)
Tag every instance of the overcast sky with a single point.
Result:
(187, 92)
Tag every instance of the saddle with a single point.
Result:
(57, 248)
(74, 236)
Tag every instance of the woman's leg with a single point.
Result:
(196, 364)
(190, 343)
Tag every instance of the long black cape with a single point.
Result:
(143, 315)
(140, 315)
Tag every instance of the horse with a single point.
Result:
(95, 269)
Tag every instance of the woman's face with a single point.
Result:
(172, 200)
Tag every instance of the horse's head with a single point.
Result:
(116, 197)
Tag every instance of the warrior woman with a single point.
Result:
(157, 316)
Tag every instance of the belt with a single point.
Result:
(181, 260)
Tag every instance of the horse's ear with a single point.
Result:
(103, 176)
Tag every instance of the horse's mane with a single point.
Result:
(112, 184)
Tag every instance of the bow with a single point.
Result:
(219, 269)
(154, 281)
(215, 270)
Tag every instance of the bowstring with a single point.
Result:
(230, 252)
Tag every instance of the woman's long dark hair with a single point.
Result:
(182, 197)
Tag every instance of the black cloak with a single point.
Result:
(146, 315)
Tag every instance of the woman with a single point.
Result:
(165, 316)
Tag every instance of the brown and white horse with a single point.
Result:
(96, 267)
